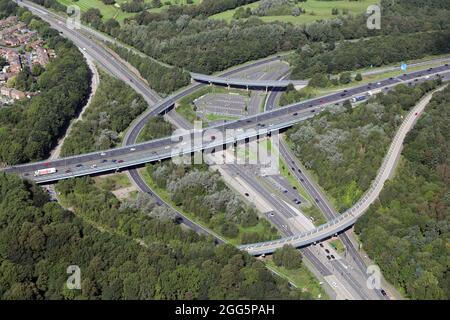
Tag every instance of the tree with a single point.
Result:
(288, 257)
(358, 77)
(319, 80)
(345, 78)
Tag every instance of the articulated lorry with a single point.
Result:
(43, 172)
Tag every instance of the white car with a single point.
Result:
(103, 154)
(133, 149)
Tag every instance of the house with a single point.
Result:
(41, 57)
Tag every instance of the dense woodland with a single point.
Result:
(155, 128)
(203, 193)
(114, 106)
(344, 147)
(30, 128)
(183, 36)
(375, 52)
(39, 240)
(205, 45)
(160, 78)
(406, 232)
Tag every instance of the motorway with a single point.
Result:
(251, 126)
(160, 149)
(322, 202)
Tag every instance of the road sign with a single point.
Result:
(404, 66)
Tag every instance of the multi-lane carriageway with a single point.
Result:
(258, 125)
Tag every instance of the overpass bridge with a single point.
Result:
(246, 83)
(349, 217)
(245, 128)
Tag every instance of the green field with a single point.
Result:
(108, 11)
(315, 10)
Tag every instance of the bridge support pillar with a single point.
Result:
(210, 83)
(247, 88)
(267, 89)
(228, 85)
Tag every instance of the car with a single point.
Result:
(79, 165)
(343, 94)
(416, 113)
(383, 292)
(84, 49)
(132, 149)
(248, 121)
(246, 194)
(103, 161)
(321, 245)
(295, 114)
(285, 191)
(213, 138)
(317, 200)
(327, 251)
(294, 187)
(313, 111)
(379, 83)
(93, 166)
(103, 154)
(68, 171)
(119, 161)
(113, 160)
(328, 257)
(302, 180)
(299, 170)
(271, 214)
(332, 257)
(26, 174)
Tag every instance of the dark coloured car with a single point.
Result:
(120, 161)
(79, 165)
(327, 251)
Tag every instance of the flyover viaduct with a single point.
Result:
(246, 83)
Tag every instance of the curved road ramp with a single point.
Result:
(349, 217)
